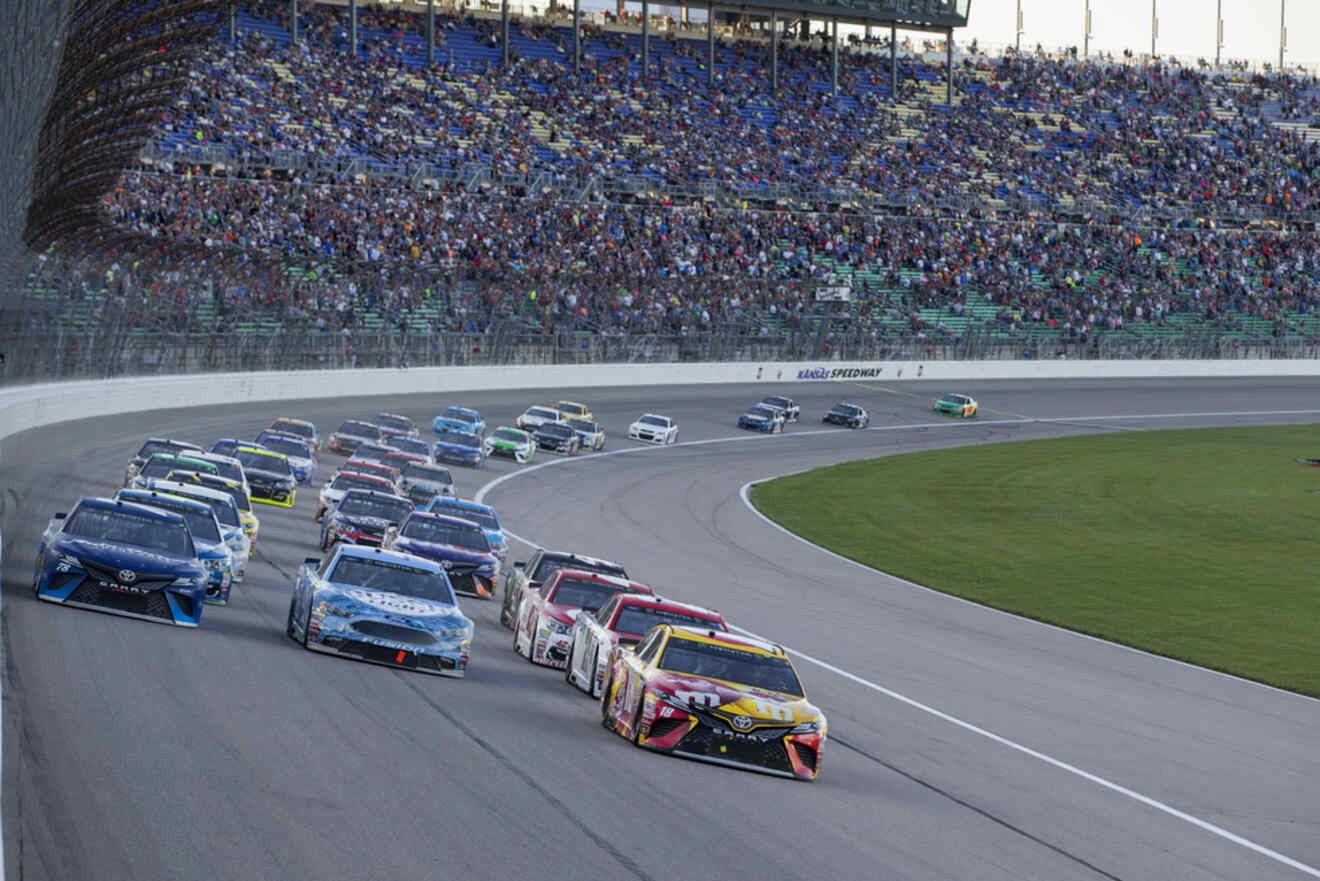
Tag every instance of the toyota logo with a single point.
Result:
(127, 576)
(448, 564)
(742, 723)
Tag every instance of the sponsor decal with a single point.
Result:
(840, 372)
(397, 603)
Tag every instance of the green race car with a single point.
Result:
(512, 443)
(956, 405)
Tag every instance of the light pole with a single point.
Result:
(1283, 31)
(1219, 29)
(1154, 27)
(1017, 46)
(1086, 27)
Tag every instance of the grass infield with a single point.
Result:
(1199, 545)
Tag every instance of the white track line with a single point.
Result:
(1171, 811)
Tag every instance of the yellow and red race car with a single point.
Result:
(710, 695)
(961, 406)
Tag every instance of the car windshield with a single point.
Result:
(128, 527)
(589, 595)
(374, 468)
(150, 448)
(360, 429)
(384, 507)
(350, 481)
(289, 427)
(654, 420)
(730, 664)
(371, 452)
(541, 412)
(548, 565)
(845, 409)
(398, 423)
(292, 448)
(510, 434)
(554, 429)
(462, 438)
(442, 532)
(409, 445)
(761, 413)
(200, 523)
(639, 619)
(374, 574)
(458, 414)
(418, 471)
(228, 470)
(583, 425)
(776, 401)
(262, 461)
(445, 506)
(224, 447)
(240, 498)
(159, 466)
(224, 512)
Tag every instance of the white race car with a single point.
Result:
(534, 417)
(654, 429)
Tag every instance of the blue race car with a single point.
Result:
(459, 419)
(204, 528)
(460, 448)
(124, 558)
(762, 418)
(302, 461)
(457, 544)
(482, 515)
(380, 606)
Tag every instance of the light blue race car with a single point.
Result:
(383, 607)
(459, 419)
(302, 461)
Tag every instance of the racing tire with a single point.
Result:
(606, 720)
(637, 720)
(568, 668)
(288, 623)
(307, 624)
(531, 643)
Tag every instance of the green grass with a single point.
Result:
(1200, 545)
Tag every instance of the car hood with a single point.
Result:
(456, 447)
(383, 604)
(501, 442)
(263, 474)
(763, 706)
(365, 522)
(426, 483)
(436, 551)
(120, 556)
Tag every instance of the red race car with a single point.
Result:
(545, 617)
(623, 620)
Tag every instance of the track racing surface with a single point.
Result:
(964, 743)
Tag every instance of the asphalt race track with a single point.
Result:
(964, 743)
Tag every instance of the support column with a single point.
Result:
(577, 37)
(1219, 30)
(1283, 30)
(834, 56)
(233, 23)
(646, 39)
(352, 28)
(293, 20)
(710, 44)
(430, 33)
(504, 33)
(1017, 40)
(1154, 27)
(774, 52)
(948, 68)
(893, 64)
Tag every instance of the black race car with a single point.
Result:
(847, 415)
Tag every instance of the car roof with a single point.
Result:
(465, 503)
(375, 478)
(257, 448)
(372, 492)
(718, 637)
(362, 552)
(146, 496)
(570, 556)
(171, 486)
(449, 519)
(170, 440)
(216, 457)
(100, 503)
(612, 580)
(311, 425)
(659, 602)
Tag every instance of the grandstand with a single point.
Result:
(333, 185)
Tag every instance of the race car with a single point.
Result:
(624, 620)
(410, 445)
(545, 616)
(847, 415)
(557, 437)
(460, 448)
(535, 417)
(371, 451)
(759, 418)
(124, 558)
(392, 424)
(421, 482)
(482, 515)
(226, 513)
(459, 419)
(792, 412)
(654, 429)
(299, 428)
(301, 460)
(590, 433)
(703, 694)
(214, 554)
(161, 464)
(332, 493)
(511, 443)
(247, 520)
(362, 517)
(574, 410)
(269, 474)
(956, 405)
(351, 433)
(225, 446)
(375, 469)
(380, 606)
(151, 447)
(458, 545)
(530, 575)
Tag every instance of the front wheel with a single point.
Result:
(307, 625)
(637, 720)
(288, 623)
(606, 718)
